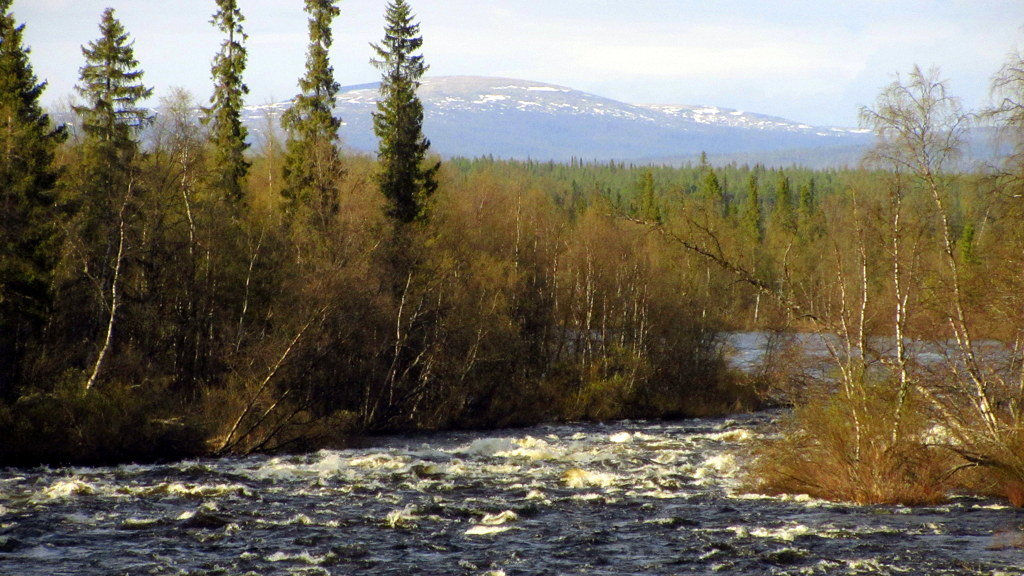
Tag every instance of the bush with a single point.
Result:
(111, 425)
(821, 451)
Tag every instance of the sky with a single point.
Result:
(813, 61)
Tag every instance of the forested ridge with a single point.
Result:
(171, 286)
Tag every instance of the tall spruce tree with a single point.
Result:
(28, 227)
(647, 201)
(806, 209)
(751, 217)
(405, 178)
(312, 163)
(111, 118)
(710, 189)
(111, 85)
(225, 113)
(782, 211)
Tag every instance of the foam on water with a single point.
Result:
(621, 438)
(133, 523)
(380, 462)
(785, 533)
(722, 465)
(300, 520)
(579, 478)
(737, 435)
(403, 518)
(63, 489)
(300, 558)
(528, 448)
(499, 519)
(483, 530)
(188, 490)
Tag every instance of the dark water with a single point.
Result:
(627, 498)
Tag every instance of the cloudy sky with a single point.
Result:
(813, 61)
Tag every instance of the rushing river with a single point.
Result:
(622, 498)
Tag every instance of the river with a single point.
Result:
(620, 498)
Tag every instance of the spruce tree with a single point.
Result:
(647, 205)
(225, 113)
(111, 118)
(106, 182)
(28, 226)
(312, 163)
(710, 190)
(752, 210)
(405, 179)
(111, 85)
(782, 212)
(806, 209)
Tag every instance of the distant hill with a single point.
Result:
(478, 116)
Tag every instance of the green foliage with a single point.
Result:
(710, 189)
(751, 215)
(404, 179)
(647, 208)
(967, 245)
(782, 208)
(29, 230)
(224, 115)
(312, 162)
(118, 424)
(111, 86)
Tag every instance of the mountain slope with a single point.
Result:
(475, 116)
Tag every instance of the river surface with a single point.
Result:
(621, 498)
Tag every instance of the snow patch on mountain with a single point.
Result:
(473, 115)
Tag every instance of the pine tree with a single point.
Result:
(312, 164)
(28, 227)
(224, 115)
(405, 179)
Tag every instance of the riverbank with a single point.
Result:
(132, 425)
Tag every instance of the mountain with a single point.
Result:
(478, 116)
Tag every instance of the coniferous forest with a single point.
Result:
(172, 285)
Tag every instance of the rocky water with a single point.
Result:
(620, 498)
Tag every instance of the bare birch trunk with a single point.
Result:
(115, 298)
